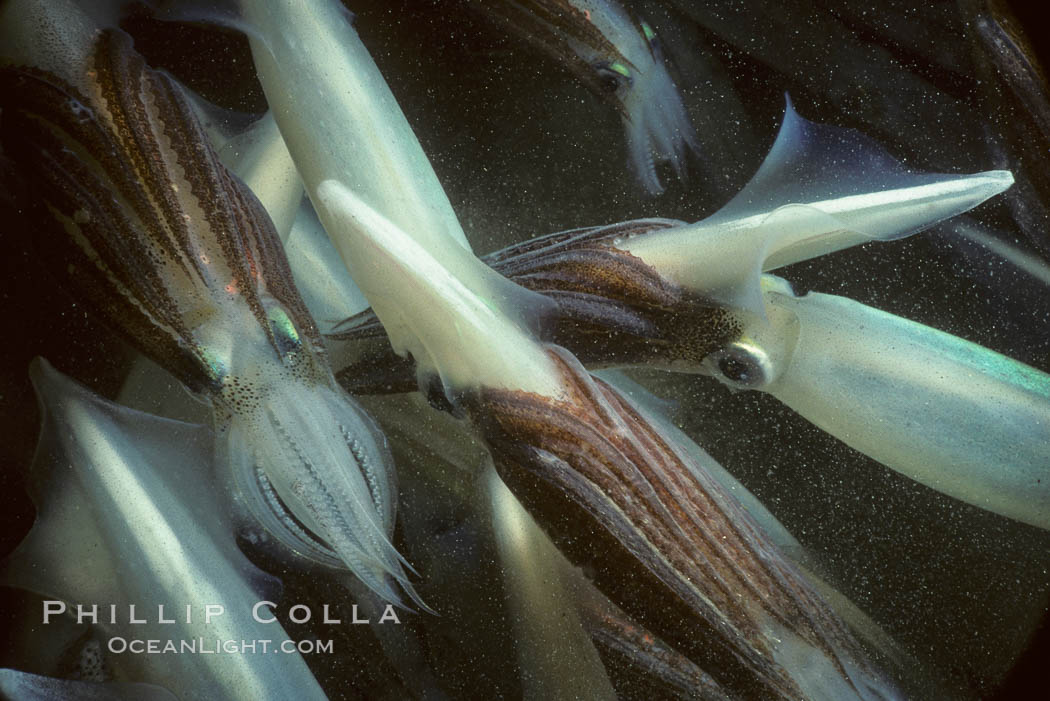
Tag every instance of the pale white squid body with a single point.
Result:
(656, 125)
(366, 173)
(955, 416)
(136, 493)
(819, 190)
(323, 280)
(550, 640)
(318, 77)
(259, 157)
(469, 309)
(948, 413)
(520, 365)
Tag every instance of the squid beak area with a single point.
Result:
(677, 556)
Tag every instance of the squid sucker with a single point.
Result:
(148, 229)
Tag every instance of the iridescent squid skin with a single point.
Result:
(147, 228)
(618, 57)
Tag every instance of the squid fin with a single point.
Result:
(820, 189)
(846, 175)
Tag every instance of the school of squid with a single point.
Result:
(532, 460)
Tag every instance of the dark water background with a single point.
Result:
(522, 150)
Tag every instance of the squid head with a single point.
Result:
(618, 57)
(656, 125)
(150, 231)
(946, 412)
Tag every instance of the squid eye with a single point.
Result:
(217, 367)
(654, 42)
(743, 365)
(284, 331)
(613, 76)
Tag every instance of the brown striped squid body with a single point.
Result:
(137, 216)
(667, 543)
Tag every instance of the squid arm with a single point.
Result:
(136, 493)
(260, 158)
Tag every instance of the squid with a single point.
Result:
(128, 488)
(664, 542)
(155, 235)
(948, 413)
(541, 589)
(618, 57)
(442, 502)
